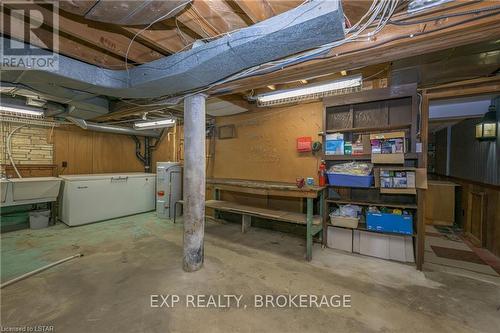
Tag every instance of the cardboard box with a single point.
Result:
(388, 148)
(361, 144)
(416, 178)
(334, 144)
(344, 221)
(388, 158)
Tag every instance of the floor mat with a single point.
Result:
(456, 254)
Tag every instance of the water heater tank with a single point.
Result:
(168, 188)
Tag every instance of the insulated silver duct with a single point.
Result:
(310, 25)
(87, 125)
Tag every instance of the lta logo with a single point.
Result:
(30, 37)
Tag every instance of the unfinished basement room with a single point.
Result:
(250, 166)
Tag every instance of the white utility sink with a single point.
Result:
(4, 184)
(20, 191)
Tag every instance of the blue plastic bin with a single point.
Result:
(384, 222)
(349, 180)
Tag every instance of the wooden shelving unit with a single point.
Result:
(368, 112)
(368, 129)
(368, 203)
(363, 227)
(364, 157)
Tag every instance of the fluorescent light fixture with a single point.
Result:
(314, 91)
(272, 87)
(304, 81)
(35, 101)
(23, 110)
(160, 123)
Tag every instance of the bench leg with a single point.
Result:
(216, 196)
(309, 236)
(246, 222)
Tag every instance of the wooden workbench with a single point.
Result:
(268, 188)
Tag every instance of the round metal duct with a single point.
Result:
(137, 12)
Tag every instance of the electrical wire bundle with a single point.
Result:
(376, 18)
(380, 10)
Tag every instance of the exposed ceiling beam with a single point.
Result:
(354, 10)
(210, 18)
(256, 10)
(80, 7)
(167, 39)
(67, 45)
(394, 42)
(281, 6)
(481, 86)
(105, 38)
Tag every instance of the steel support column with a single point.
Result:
(194, 181)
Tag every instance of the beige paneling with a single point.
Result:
(265, 144)
(95, 152)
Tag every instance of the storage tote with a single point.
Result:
(338, 179)
(384, 222)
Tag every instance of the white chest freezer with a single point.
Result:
(91, 198)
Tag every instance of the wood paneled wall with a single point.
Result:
(489, 227)
(265, 149)
(265, 144)
(486, 232)
(95, 152)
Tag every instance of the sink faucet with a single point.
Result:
(3, 175)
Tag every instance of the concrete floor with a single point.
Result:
(128, 259)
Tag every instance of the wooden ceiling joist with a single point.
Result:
(256, 10)
(281, 6)
(466, 88)
(167, 39)
(394, 42)
(68, 46)
(210, 18)
(103, 38)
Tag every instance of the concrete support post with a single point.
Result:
(194, 181)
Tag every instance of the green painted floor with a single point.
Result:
(26, 250)
(127, 260)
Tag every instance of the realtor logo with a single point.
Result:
(30, 37)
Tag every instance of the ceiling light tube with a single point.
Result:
(24, 110)
(310, 92)
(160, 123)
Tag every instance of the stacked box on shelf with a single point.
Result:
(334, 144)
(386, 222)
(388, 147)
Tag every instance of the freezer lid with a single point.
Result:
(109, 176)
(167, 164)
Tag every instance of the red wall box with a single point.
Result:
(304, 144)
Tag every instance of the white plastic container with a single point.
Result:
(39, 219)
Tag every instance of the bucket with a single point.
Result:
(39, 219)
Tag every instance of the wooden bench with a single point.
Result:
(314, 225)
(248, 211)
